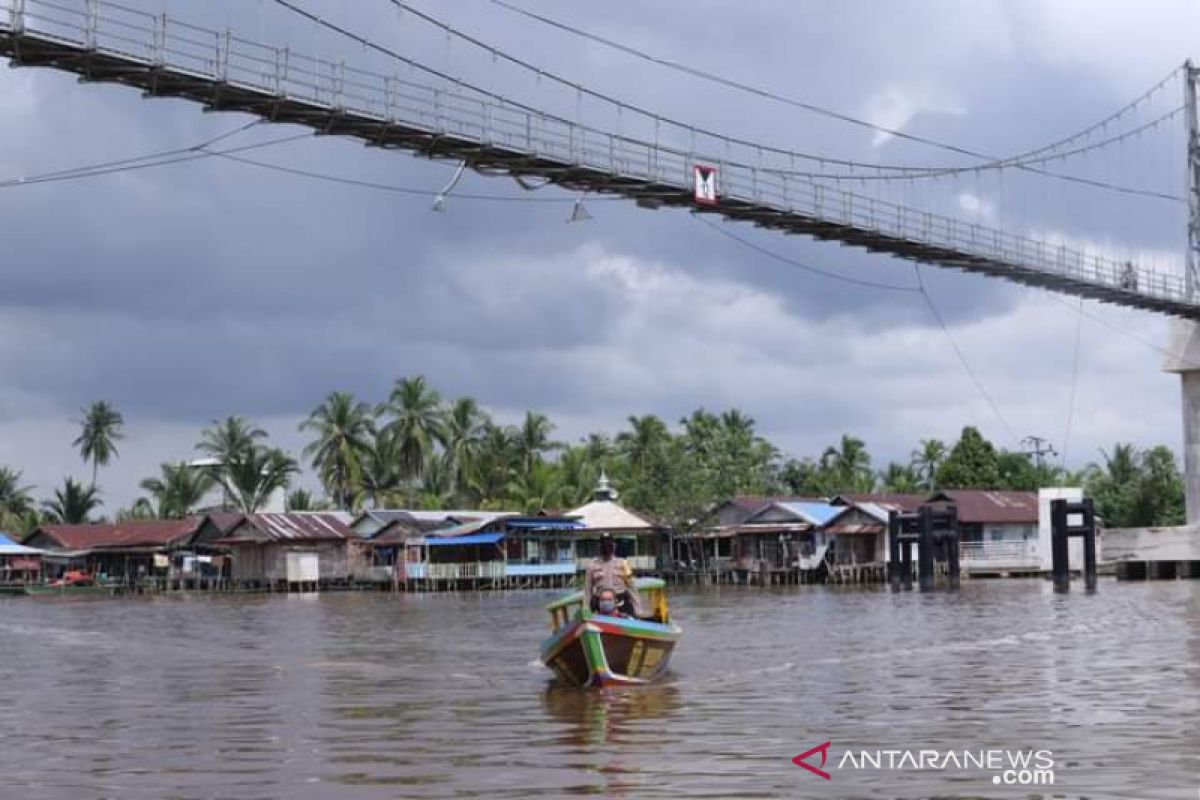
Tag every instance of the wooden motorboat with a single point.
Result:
(591, 649)
(74, 582)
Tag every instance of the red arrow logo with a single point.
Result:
(823, 749)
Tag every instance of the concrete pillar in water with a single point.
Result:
(1183, 354)
(1183, 357)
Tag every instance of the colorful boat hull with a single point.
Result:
(597, 650)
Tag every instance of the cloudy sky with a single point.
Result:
(189, 292)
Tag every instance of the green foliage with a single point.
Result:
(415, 450)
(304, 500)
(16, 502)
(101, 428)
(1134, 488)
(253, 474)
(344, 430)
(972, 463)
(416, 423)
(176, 493)
(72, 503)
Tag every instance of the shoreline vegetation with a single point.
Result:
(419, 450)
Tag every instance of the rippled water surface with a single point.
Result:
(381, 696)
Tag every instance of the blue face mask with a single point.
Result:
(607, 606)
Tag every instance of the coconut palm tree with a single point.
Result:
(179, 490)
(228, 437)
(900, 478)
(14, 498)
(849, 465)
(100, 430)
(252, 475)
(141, 509)
(533, 439)
(344, 432)
(226, 440)
(577, 474)
(927, 460)
(381, 479)
(645, 438)
(416, 424)
(497, 463)
(535, 490)
(464, 437)
(437, 478)
(72, 504)
(304, 500)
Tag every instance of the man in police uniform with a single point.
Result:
(609, 572)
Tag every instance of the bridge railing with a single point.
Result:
(647, 148)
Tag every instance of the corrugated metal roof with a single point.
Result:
(814, 513)
(10, 548)
(539, 524)
(459, 530)
(298, 526)
(474, 538)
(983, 507)
(138, 533)
(838, 529)
(901, 502)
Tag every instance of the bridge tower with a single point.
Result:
(1184, 352)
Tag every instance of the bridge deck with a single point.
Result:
(170, 58)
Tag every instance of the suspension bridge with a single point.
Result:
(650, 159)
(165, 56)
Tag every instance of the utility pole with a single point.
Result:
(1037, 450)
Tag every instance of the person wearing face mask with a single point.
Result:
(606, 604)
(607, 572)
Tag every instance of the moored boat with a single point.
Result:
(592, 649)
(74, 582)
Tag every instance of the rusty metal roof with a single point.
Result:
(139, 533)
(308, 526)
(889, 500)
(983, 506)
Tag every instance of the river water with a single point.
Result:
(381, 696)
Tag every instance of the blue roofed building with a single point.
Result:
(782, 541)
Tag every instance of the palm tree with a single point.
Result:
(536, 489)
(849, 465)
(178, 490)
(228, 437)
(140, 510)
(381, 479)
(464, 437)
(497, 463)
(927, 459)
(344, 429)
(533, 439)
(304, 500)
(577, 474)
(645, 437)
(900, 478)
(100, 430)
(14, 498)
(437, 477)
(251, 476)
(72, 503)
(599, 448)
(416, 412)
(1121, 466)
